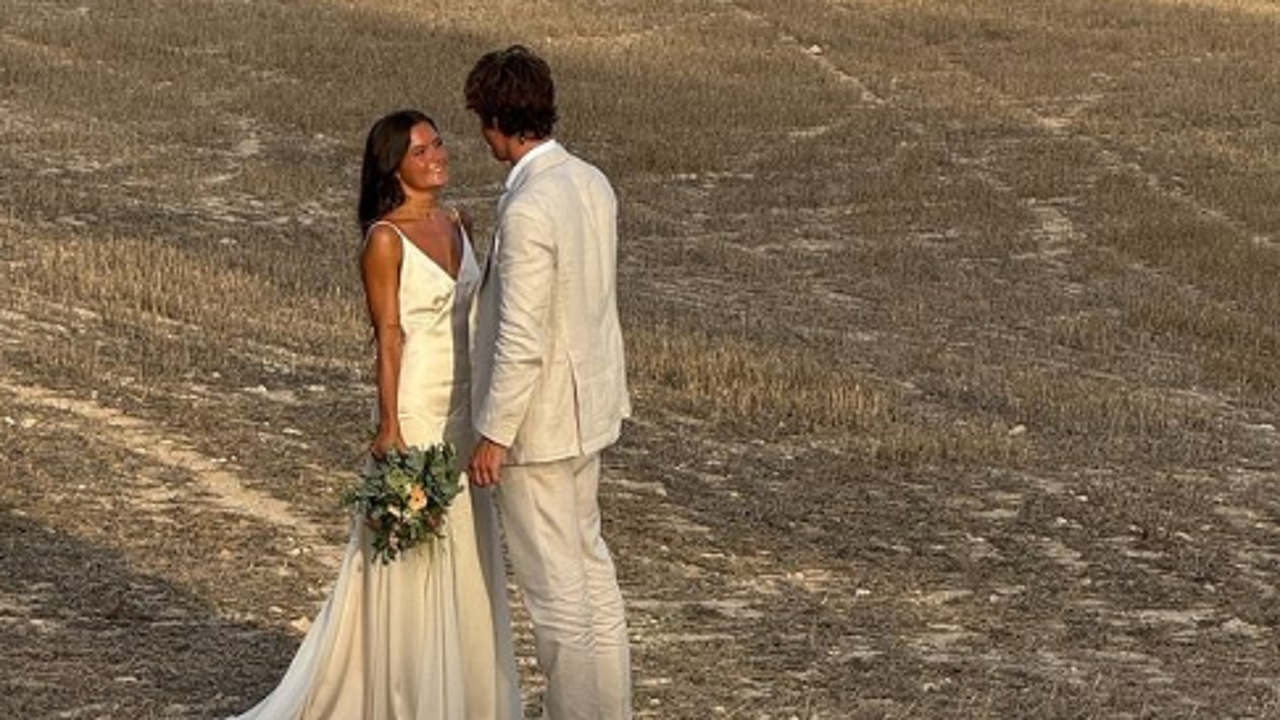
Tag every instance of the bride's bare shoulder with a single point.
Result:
(381, 241)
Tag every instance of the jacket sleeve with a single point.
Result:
(526, 258)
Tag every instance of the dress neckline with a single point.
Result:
(462, 239)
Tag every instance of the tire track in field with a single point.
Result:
(814, 53)
(164, 447)
(1052, 225)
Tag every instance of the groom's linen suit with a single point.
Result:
(549, 384)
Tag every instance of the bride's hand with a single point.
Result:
(386, 440)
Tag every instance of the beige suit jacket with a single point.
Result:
(549, 379)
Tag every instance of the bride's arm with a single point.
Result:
(380, 272)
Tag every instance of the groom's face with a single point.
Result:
(497, 142)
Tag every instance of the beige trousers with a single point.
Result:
(551, 517)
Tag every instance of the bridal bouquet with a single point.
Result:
(403, 497)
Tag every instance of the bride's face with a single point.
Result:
(426, 163)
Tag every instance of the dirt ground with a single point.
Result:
(952, 331)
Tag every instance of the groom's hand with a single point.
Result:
(485, 468)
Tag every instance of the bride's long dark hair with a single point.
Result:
(385, 147)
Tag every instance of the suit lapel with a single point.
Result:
(549, 159)
(490, 258)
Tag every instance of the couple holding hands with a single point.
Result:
(519, 364)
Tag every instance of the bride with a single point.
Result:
(426, 637)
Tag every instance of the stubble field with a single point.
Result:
(952, 328)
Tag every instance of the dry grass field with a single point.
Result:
(953, 328)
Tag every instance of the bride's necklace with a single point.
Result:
(415, 212)
(426, 215)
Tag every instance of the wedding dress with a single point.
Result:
(427, 637)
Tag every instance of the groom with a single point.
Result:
(549, 386)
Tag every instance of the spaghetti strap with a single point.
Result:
(462, 229)
(453, 213)
(463, 241)
(388, 223)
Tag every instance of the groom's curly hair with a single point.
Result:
(512, 90)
